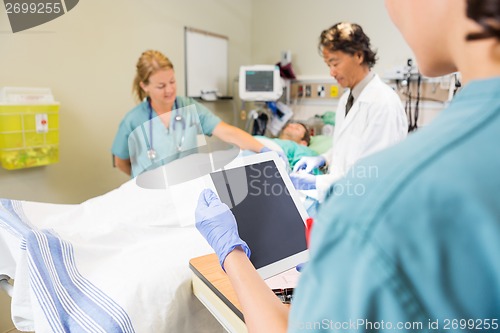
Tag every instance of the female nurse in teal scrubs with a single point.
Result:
(164, 126)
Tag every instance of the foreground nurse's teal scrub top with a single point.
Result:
(413, 244)
(138, 133)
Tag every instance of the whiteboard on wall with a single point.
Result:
(206, 62)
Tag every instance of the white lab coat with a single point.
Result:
(376, 121)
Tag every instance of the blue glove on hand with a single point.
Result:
(303, 181)
(217, 224)
(309, 163)
(280, 154)
(300, 267)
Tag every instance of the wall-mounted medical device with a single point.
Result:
(260, 83)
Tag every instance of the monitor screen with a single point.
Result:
(267, 217)
(260, 83)
(259, 80)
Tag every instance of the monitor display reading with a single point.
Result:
(260, 81)
(268, 218)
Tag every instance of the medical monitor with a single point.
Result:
(260, 83)
(268, 211)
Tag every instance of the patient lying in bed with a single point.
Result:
(295, 141)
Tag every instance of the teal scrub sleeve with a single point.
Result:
(208, 120)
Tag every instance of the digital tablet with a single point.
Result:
(268, 211)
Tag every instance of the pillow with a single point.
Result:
(321, 143)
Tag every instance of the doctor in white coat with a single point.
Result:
(369, 118)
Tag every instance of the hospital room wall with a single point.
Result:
(295, 25)
(87, 57)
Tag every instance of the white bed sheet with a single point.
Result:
(133, 244)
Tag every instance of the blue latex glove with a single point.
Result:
(309, 163)
(217, 224)
(303, 181)
(280, 154)
(300, 267)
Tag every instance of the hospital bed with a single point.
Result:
(115, 263)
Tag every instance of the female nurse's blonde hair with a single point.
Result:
(150, 62)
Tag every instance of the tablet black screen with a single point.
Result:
(267, 217)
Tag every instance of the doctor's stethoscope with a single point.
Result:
(178, 120)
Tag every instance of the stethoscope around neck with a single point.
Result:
(178, 121)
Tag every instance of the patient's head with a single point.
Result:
(296, 131)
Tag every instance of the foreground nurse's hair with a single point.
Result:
(487, 14)
(150, 62)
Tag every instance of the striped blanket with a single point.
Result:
(116, 263)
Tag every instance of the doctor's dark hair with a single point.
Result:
(348, 38)
(487, 14)
(150, 62)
